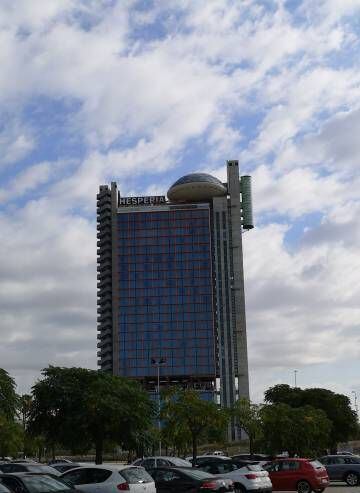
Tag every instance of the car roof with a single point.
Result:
(283, 459)
(25, 473)
(110, 467)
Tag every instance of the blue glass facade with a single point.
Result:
(165, 299)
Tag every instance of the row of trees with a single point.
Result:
(78, 410)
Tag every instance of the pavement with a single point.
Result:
(340, 487)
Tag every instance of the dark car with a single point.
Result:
(12, 467)
(59, 461)
(4, 489)
(34, 483)
(183, 480)
(342, 468)
(252, 457)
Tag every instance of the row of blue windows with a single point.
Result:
(167, 215)
(173, 347)
(168, 261)
(164, 274)
(178, 242)
(144, 325)
(177, 223)
(160, 258)
(189, 308)
(186, 300)
(161, 291)
(187, 362)
(159, 254)
(178, 282)
(171, 371)
(168, 247)
(175, 356)
(171, 233)
(167, 347)
(175, 266)
(164, 316)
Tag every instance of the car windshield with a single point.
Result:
(44, 484)
(197, 474)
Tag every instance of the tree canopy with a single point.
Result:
(188, 417)
(303, 431)
(337, 408)
(79, 408)
(8, 397)
(247, 416)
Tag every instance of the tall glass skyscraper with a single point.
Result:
(170, 285)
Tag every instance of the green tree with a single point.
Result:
(80, 408)
(337, 408)
(8, 398)
(303, 431)
(188, 416)
(247, 416)
(11, 437)
(10, 430)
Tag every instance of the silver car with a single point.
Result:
(110, 479)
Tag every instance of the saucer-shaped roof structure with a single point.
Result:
(196, 187)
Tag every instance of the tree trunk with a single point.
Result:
(99, 445)
(251, 444)
(194, 449)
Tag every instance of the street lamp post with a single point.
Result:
(157, 362)
(295, 373)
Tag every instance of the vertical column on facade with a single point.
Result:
(115, 280)
(226, 353)
(104, 279)
(238, 294)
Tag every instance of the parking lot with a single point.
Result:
(342, 488)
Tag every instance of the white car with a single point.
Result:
(110, 479)
(250, 477)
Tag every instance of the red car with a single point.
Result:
(301, 475)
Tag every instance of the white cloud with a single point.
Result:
(16, 142)
(137, 87)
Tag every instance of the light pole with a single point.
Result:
(355, 400)
(157, 362)
(295, 372)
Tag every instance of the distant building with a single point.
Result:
(171, 286)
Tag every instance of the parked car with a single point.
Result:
(161, 461)
(34, 483)
(65, 466)
(302, 475)
(110, 479)
(342, 468)
(10, 467)
(248, 477)
(184, 480)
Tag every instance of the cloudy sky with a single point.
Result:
(142, 92)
